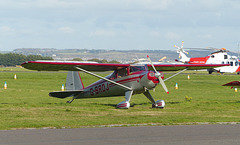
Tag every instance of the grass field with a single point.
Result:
(26, 104)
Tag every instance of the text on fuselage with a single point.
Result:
(99, 89)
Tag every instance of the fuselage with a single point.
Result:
(138, 78)
(220, 57)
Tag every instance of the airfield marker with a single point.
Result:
(5, 85)
(176, 87)
(15, 77)
(62, 87)
(188, 77)
(235, 89)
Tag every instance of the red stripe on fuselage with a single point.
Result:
(198, 60)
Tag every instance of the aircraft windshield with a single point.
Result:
(137, 68)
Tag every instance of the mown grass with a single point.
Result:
(26, 104)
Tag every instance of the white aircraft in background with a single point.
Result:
(218, 57)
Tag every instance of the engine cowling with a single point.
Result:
(149, 80)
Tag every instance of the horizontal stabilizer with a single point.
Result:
(65, 94)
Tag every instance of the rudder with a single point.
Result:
(74, 81)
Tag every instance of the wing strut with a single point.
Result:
(175, 74)
(125, 87)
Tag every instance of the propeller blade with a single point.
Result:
(152, 64)
(163, 84)
(162, 58)
(158, 75)
(176, 46)
(182, 44)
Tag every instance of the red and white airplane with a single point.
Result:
(233, 84)
(126, 79)
(218, 57)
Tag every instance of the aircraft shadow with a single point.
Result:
(115, 105)
(173, 102)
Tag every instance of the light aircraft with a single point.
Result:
(218, 57)
(126, 79)
(233, 84)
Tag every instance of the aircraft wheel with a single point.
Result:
(159, 104)
(210, 72)
(154, 106)
(238, 73)
(123, 105)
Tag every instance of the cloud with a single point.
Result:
(67, 30)
(128, 22)
(6, 30)
(172, 35)
(102, 33)
(155, 34)
(205, 36)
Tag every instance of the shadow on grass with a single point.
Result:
(173, 102)
(115, 105)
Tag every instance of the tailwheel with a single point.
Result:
(159, 104)
(70, 101)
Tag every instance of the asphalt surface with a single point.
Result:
(150, 135)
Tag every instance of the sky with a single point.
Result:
(119, 24)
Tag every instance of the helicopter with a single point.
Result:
(220, 56)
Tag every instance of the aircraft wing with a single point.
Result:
(176, 67)
(70, 66)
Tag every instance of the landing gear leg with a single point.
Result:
(155, 104)
(125, 104)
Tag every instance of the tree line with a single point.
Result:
(13, 59)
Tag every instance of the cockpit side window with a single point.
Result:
(225, 57)
(122, 72)
(137, 68)
(236, 63)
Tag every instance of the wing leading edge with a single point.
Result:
(70, 66)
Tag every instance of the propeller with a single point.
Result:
(180, 49)
(162, 58)
(158, 75)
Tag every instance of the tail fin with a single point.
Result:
(181, 51)
(183, 57)
(74, 81)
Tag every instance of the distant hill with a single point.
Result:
(123, 56)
